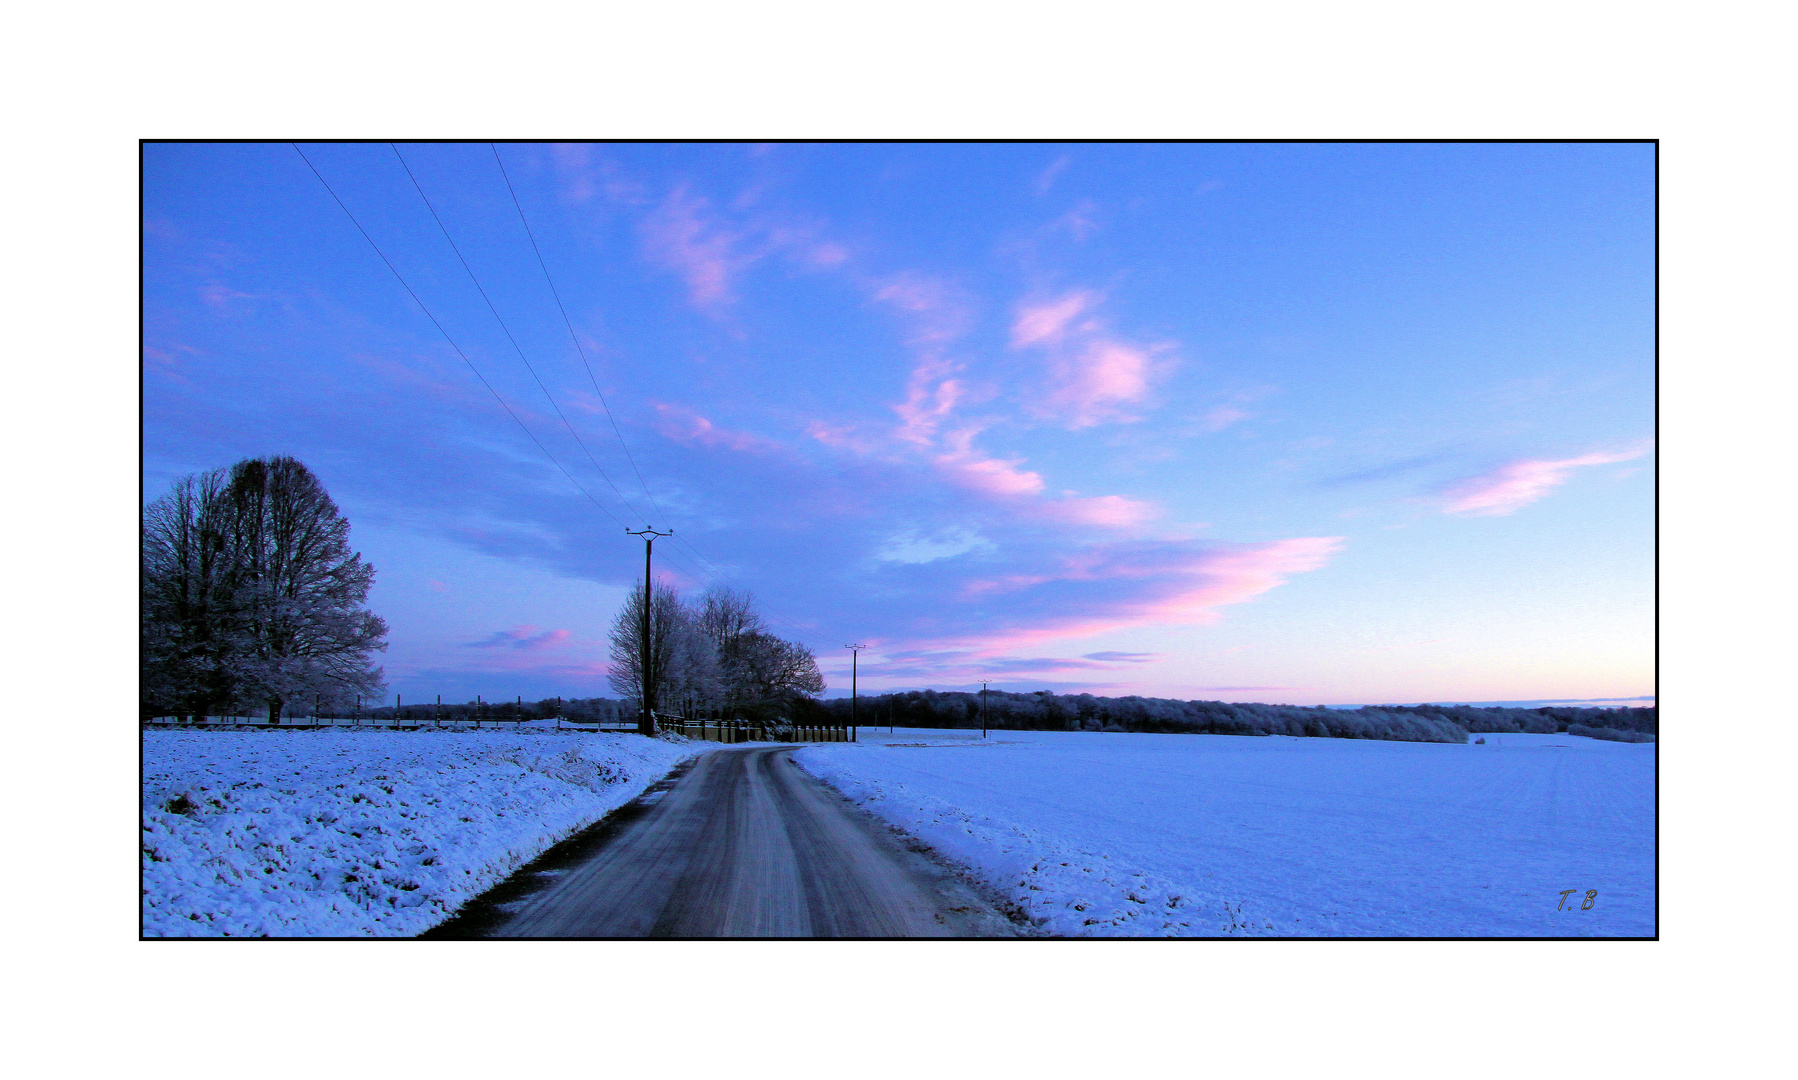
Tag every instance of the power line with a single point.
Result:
(702, 574)
(574, 337)
(698, 572)
(446, 335)
(508, 330)
(719, 572)
(716, 570)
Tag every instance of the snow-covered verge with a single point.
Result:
(364, 833)
(1138, 835)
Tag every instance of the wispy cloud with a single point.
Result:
(221, 297)
(934, 315)
(937, 313)
(1116, 586)
(1510, 488)
(1046, 179)
(1046, 322)
(1095, 383)
(1382, 472)
(685, 425)
(916, 547)
(711, 249)
(1222, 417)
(683, 235)
(963, 664)
(1079, 222)
(521, 637)
(1093, 375)
(1111, 511)
(975, 471)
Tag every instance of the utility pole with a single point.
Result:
(983, 710)
(646, 721)
(854, 655)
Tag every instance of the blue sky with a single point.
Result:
(1304, 423)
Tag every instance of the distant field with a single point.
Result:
(1200, 835)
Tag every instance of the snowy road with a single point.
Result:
(748, 845)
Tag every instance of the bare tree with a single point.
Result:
(669, 631)
(187, 590)
(774, 670)
(755, 667)
(718, 651)
(694, 679)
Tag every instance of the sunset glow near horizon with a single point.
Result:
(1304, 423)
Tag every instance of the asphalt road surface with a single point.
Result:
(746, 845)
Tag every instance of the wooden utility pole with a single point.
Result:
(983, 710)
(854, 655)
(646, 720)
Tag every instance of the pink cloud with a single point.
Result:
(841, 436)
(170, 356)
(827, 255)
(1046, 323)
(1092, 375)
(1146, 583)
(1046, 179)
(219, 297)
(1112, 511)
(680, 236)
(1222, 417)
(1093, 384)
(1512, 487)
(1078, 221)
(685, 425)
(990, 476)
(938, 314)
(929, 398)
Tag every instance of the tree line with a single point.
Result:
(1044, 710)
(577, 709)
(251, 594)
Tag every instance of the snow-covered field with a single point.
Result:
(1204, 835)
(364, 833)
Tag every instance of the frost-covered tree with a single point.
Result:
(729, 620)
(717, 651)
(755, 666)
(251, 592)
(670, 632)
(772, 670)
(187, 588)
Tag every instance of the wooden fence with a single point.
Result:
(725, 731)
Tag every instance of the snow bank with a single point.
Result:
(1204, 835)
(364, 833)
